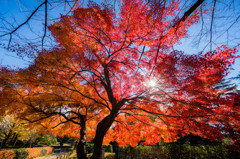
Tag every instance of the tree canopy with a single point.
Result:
(116, 77)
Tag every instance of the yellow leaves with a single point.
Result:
(11, 123)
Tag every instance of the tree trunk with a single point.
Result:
(15, 140)
(12, 140)
(102, 129)
(6, 139)
(81, 149)
(81, 146)
(117, 151)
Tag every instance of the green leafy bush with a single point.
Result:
(107, 148)
(89, 148)
(43, 151)
(45, 140)
(63, 139)
(21, 153)
(177, 151)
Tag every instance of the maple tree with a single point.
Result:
(115, 77)
(44, 9)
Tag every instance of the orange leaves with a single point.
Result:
(49, 150)
(9, 154)
(36, 152)
(100, 67)
(33, 152)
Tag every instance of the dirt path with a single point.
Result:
(59, 155)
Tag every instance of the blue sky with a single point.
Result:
(20, 9)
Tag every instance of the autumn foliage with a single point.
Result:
(33, 152)
(27, 153)
(8, 154)
(116, 77)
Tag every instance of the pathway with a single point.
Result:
(60, 155)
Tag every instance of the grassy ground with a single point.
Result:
(107, 155)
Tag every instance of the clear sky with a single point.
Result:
(16, 11)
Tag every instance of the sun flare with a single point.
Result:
(152, 83)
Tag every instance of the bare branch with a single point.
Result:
(45, 25)
(19, 26)
(211, 27)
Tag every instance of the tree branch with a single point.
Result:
(19, 26)
(45, 24)
(188, 13)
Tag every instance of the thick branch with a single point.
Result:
(19, 26)
(188, 13)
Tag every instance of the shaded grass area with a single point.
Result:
(63, 148)
(107, 155)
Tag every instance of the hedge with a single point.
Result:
(176, 151)
(7, 154)
(107, 148)
(25, 153)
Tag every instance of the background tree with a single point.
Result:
(63, 140)
(111, 74)
(45, 140)
(13, 130)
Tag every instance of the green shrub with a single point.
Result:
(233, 154)
(45, 140)
(20, 153)
(177, 151)
(43, 151)
(89, 147)
(107, 148)
(63, 139)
